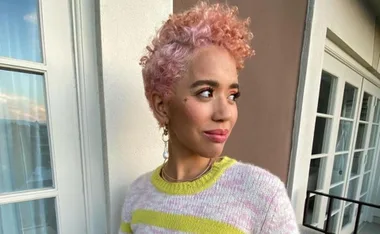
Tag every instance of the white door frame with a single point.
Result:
(86, 53)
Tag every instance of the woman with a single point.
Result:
(191, 83)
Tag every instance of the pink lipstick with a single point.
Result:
(217, 135)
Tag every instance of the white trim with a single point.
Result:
(308, 108)
(28, 196)
(23, 65)
(335, 51)
(85, 56)
(327, 116)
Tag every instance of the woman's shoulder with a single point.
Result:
(256, 177)
(141, 181)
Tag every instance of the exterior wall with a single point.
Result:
(376, 49)
(263, 133)
(132, 141)
(354, 23)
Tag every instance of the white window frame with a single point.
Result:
(81, 26)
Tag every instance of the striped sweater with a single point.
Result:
(232, 197)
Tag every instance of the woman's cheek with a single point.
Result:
(197, 112)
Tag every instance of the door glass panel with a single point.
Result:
(365, 183)
(32, 217)
(325, 102)
(336, 191)
(349, 101)
(361, 137)
(321, 135)
(363, 198)
(316, 173)
(356, 162)
(366, 107)
(310, 217)
(24, 141)
(344, 135)
(352, 188)
(339, 169)
(348, 215)
(20, 30)
(369, 161)
(374, 135)
(333, 223)
(376, 117)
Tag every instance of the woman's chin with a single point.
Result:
(213, 153)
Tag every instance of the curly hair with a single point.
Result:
(204, 24)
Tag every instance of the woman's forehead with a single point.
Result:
(212, 61)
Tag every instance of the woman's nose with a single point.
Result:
(222, 110)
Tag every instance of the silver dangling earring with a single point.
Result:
(165, 139)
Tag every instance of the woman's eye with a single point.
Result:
(234, 97)
(206, 93)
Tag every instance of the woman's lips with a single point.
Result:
(217, 135)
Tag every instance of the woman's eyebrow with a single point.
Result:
(234, 86)
(211, 83)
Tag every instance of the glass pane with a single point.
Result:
(361, 137)
(321, 135)
(374, 135)
(344, 136)
(365, 183)
(363, 198)
(32, 217)
(20, 30)
(310, 217)
(349, 101)
(376, 117)
(316, 174)
(336, 191)
(366, 107)
(325, 102)
(348, 215)
(333, 223)
(356, 162)
(369, 162)
(339, 169)
(24, 141)
(352, 188)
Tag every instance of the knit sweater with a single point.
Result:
(233, 197)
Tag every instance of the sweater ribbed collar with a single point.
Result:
(196, 186)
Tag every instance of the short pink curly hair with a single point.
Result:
(202, 25)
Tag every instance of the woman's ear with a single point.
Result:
(160, 108)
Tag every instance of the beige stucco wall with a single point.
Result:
(132, 141)
(353, 22)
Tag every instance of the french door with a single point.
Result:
(41, 186)
(344, 145)
(364, 157)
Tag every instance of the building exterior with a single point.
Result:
(75, 128)
(336, 146)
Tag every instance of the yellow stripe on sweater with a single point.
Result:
(125, 227)
(184, 223)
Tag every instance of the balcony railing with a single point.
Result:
(329, 210)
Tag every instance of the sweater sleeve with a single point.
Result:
(280, 218)
(126, 216)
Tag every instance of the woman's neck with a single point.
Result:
(183, 165)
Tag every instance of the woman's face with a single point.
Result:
(203, 111)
